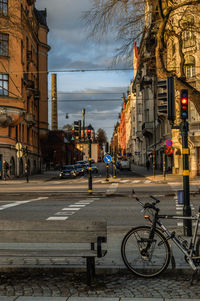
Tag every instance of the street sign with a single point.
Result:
(18, 146)
(169, 151)
(107, 159)
(19, 154)
(168, 143)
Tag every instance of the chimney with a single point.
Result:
(54, 110)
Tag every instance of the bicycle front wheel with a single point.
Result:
(145, 256)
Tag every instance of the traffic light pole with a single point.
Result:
(114, 166)
(187, 224)
(90, 169)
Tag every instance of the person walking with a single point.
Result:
(147, 164)
(5, 170)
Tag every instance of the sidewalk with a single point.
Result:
(42, 177)
(63, 286)
(169, 178)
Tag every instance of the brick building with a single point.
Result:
(23, 83)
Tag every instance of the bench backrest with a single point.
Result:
(51, 231)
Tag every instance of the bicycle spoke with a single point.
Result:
(144, 256)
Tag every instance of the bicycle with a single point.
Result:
(146, 250)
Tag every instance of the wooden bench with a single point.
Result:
(21, 239)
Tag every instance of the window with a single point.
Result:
(188, 39)
(173, 49)
(22, 52)
(190, 66)
(4, 7)
(190, 71)
(4, 44)
(3, 84)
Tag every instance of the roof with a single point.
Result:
(41, 16)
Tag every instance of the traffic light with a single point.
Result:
(89, 131)
(171, 99)
(184, 104)
(76, 129)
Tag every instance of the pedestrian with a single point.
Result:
(147, 164)
(5, 170)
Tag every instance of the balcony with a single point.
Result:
(30, 119)
(147, 128)
(10, 116)
(162, 109)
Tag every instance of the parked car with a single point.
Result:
(94, 168)
(125, 164)
(80, 169)
(118, 164)
(67, 172)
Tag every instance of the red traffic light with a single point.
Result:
(184, 104)
(184, 101)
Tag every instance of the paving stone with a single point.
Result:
(24, 298)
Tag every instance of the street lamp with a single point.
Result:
(89, 132)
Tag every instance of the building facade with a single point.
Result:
(23, 84)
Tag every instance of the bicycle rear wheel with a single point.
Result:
(144, 256)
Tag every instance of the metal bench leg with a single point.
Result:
(90, 269)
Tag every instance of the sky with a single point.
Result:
(71, 49)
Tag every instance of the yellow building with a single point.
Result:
(186, 22)
(23, 84)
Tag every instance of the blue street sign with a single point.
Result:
(107, 159)
(168, 143)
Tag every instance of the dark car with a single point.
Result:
(118, 164)
(80, 169)
(68, 171)
(83, 164)
(94, 168)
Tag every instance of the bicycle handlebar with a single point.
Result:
(149, 205)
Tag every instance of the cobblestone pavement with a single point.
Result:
(59, 283)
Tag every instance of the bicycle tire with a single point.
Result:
(152, 262)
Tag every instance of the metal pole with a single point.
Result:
(114, 165)
(26, 164)
(187, 224)
(107, 174)
(90, 169)
(83, 117)
(154, 163)
(164, 173)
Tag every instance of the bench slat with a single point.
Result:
(49, 253)
(6, 225)
(49, 237)
(51, 231)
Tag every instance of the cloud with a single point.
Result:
(71, 49)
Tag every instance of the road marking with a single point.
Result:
(71, 209)
(17, 203)
(58, 218)
(113, 188)
(179, 207)
(124, 181)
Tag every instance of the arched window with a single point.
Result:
(12, 166)
(190, 66)
(21, 167)
(188, 39)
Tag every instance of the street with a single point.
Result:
(49, 198)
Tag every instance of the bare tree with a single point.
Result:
(101, 137)
(156, 21)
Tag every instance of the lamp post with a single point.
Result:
(89, 131)
(26, 164)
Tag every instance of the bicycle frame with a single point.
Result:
(170, 235)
